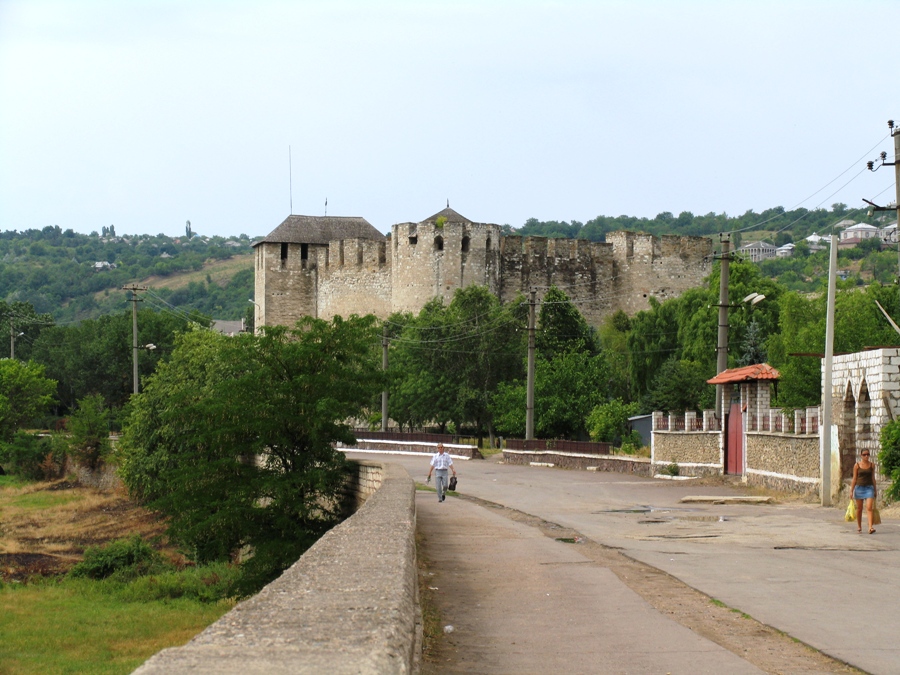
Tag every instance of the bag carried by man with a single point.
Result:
(452, 485)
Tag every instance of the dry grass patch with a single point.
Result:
(45, 527)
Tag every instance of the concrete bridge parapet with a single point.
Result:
(349, 605)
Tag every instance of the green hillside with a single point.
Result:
(74, 276)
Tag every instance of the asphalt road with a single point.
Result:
(797, 567)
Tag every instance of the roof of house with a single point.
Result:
(764, 245)
(449, 215)
(320, 230)
(861, 227)
(227, 327)
(759, 371)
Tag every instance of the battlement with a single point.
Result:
(354, 253)
(550, 250)
(334, 274)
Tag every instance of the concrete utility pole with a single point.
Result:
(825, 426)
(12, 339)
(529, 401)
(384, 367)
(134, 288)
(722, 342)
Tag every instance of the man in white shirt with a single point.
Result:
(441, 462)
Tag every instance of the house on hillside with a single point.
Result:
(785, 251)
(757, 251)
(855, 234)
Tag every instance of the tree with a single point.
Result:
(570, 377)
(447, 362)
(680, 385)
(88, 428)
(25, 393)
(233, 437)
(608, 422)
(96, 355)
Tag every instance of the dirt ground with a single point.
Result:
(766, 648)
(46, 527)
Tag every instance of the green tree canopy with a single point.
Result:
(232, 437)
(25, 393)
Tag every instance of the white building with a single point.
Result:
(757, 251)
(785, 251)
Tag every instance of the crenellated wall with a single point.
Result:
(434, 258)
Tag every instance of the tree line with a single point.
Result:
(56, 271)
(232, 438)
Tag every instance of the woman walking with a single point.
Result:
(863, 488)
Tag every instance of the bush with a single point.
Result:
(125, 559)
(89, 431)
(209, 583)
(670, 470)
(32, 457)
(889, 457)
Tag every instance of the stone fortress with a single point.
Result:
(330, 265)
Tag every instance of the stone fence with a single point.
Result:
(392, 447)
(349, 605)
(779, 451)
(574, 460)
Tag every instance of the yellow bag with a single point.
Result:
(876, 516)
(850, 516)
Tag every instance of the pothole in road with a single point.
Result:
(693, 519)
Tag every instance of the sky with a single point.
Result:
(147, 113)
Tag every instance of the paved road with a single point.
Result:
(797, 567)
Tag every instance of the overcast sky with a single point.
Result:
(144, 114)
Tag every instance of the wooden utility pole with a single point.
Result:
(722, 342)
(384, 367)
(529, 401)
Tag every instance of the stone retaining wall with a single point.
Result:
(783, 462)
(573, 460)
(349, 605)
(695, 453)
(455, 450)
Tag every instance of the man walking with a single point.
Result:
(440, 464)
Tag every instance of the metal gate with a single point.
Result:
(734, 441)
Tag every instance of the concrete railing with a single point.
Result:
(349, 605)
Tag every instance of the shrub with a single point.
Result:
(89, 427)
(125, 558)
(889, 457)
(32, 457)
(670, 470)
(208, 583)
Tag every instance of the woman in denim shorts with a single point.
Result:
(863, 488)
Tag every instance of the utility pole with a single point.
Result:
(384, 367)
(722, 342)
(895, 133)
(12, 339)
(134, 288)
(529, 402)
(827, 394)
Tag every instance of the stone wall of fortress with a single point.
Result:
(421, 261)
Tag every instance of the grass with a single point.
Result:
(719, 603)
(56, 624)
(83, 626)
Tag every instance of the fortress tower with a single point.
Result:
(327, 266)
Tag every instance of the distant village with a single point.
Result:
(851, 235)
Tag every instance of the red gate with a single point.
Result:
(734, 441)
